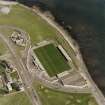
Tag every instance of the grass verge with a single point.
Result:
(15, 99)
(51, 97)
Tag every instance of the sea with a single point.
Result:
(85, 21)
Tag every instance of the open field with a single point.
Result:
(51, 97)
(6, 31)
(52, 59)
(14, 99)
(27, 20)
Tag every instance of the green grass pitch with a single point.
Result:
(52, 59)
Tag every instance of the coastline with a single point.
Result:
(96, 92)
(80, 63)
(86, 31)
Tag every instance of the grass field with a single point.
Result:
(51, 97)
(15, 99)
(52, 59)
(6, 31)
(27, 20)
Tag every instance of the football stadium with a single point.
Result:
(52, 59)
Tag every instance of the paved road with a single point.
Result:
(38, 75)
(94, 89)
(26, 79)
(25, 75)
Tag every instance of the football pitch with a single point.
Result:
(52, 59)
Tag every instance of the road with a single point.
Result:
(77, 59)
(22, 69)
(21, 65)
